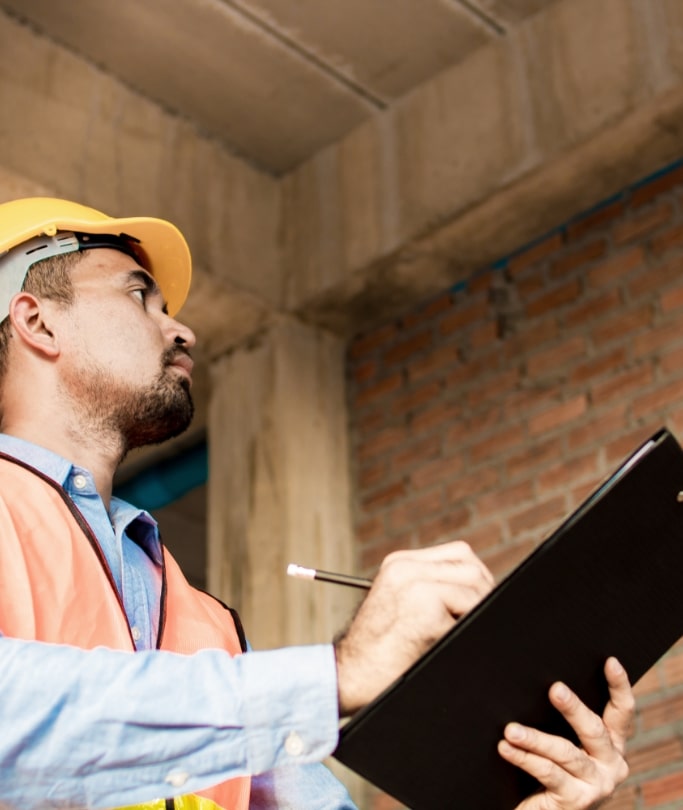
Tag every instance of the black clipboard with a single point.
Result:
(607, 582)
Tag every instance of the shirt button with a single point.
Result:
(135, 632)
(177, 778)
(80, 481)
(294, 745)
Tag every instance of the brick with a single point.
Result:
(567, 472)
(533, 457)
(655, 278)
(531, 337)
(616, 267)
(485, 421)
(504, 499)
(664, 752)
(483, 537)
(578, 258)
(463, 317)
(599, 428)
(538, 516)
(672, 299)
(666, 240)
(623, 323)
(530, 286)
(648, 191)
(413, 398)
(672, 670)
(502, 441)
(467, 372)
(370, 475)
(428, 312)
(625, 798)
(470, 484)
(552, 300)
(411, 511)
(384, 496)
(439, 359)
(446, 527)
(379, 390)
(403, 350)
(557, 357)
(592, 308)
(558, 415)
(599, 366)
(578, 494)
(594, 220)
(365, 371)
(368, 343)
(416, 452)
(381, 442)
(493, 387)
(656, 338)
(370, 529)
(648, 684)
(664, 790)
(483, 336)
(534, 253)
(481, 282)
(659, 400)
(439, 470)
(619, 449)
(642, 223)
(371, 556)
(500, 563)
(624, 384)
(439, 414)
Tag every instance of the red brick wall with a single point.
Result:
(490, 412)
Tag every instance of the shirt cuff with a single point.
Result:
(290, 704)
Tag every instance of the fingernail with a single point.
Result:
(617, 668)
(515, 732)
(561, 692)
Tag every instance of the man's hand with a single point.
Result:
(576, 778)
(415, 599)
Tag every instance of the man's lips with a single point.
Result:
(183, 362)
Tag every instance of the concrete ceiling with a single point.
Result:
(274, 80)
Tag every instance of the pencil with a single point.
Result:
(294, 570)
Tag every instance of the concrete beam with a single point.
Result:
(579, 101)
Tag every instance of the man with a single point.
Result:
(92, 364)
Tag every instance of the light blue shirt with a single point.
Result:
(103, 728)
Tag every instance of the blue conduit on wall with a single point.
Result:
(168, 480)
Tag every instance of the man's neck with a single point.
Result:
(99, 456)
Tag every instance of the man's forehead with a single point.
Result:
(111, 267)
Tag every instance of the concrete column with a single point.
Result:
(279, 483)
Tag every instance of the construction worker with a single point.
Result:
(93, 364)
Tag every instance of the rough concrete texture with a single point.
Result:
(578, 102)
(279, 483)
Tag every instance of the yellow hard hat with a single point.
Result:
(158, 245)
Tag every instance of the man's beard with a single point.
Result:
(135, 416)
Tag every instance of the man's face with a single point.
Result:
(125, 363)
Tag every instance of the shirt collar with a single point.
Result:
(122, 513)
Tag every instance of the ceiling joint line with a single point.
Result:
(488, 20)
(367, 95)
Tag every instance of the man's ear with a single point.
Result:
(30, 319)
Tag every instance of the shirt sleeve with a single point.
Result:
(103, 728)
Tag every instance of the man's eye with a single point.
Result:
(141, 293)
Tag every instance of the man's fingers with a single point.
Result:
(618, 714)
(456, 553)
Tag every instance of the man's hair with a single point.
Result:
(49, 278)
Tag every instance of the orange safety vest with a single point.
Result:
(54, 573)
